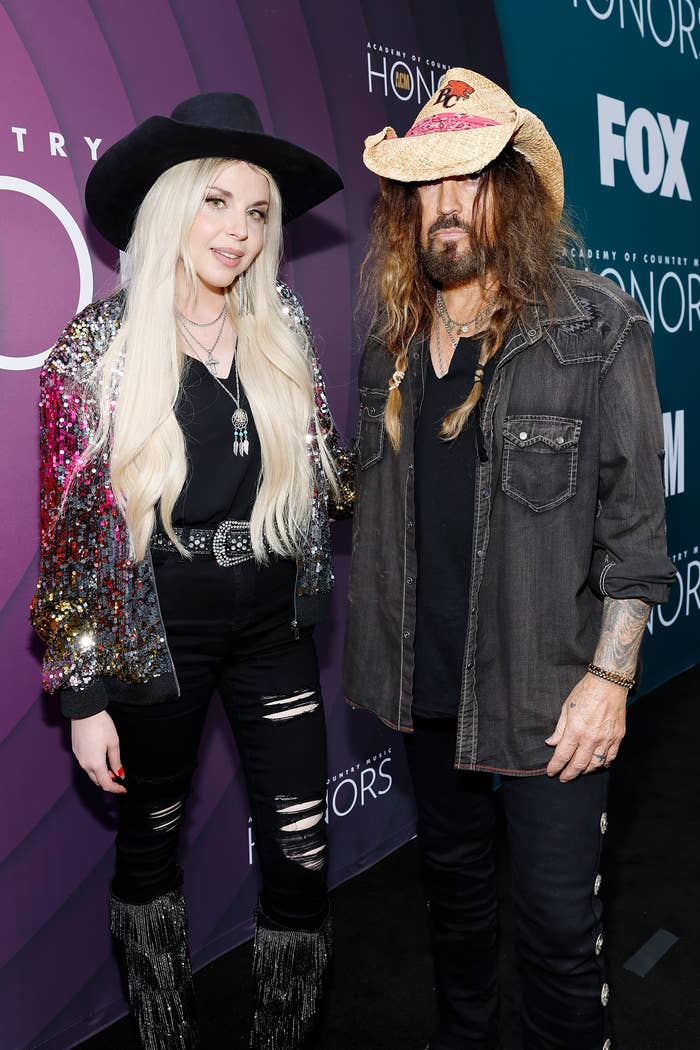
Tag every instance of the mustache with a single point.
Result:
(448, 222)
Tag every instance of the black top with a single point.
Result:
(444, 505)
(219, 485)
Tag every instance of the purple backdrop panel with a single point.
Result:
(76, 76)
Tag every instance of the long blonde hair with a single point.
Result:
(137, 381)
(517, 236)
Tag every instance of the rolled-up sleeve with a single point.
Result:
(630, 558)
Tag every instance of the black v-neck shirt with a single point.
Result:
(219, 485)
(444, 502)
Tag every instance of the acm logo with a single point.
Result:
(650, 145)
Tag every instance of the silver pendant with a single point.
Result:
(239, 419)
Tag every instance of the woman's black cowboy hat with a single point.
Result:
(218, 124)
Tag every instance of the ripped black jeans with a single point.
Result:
(229, 630)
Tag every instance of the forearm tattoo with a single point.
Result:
(624, 620)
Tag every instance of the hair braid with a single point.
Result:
(392, 413)
(397, 291)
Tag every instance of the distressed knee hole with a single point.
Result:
(303, 840)
(303, 824)
(168, 818)
(299, 807)
(312, 852)
(299, 703)
(272, 701)
(279, 716)
(313, 858)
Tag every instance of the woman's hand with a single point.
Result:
(96, 747)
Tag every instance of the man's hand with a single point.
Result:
(96, 747)
(590, 728)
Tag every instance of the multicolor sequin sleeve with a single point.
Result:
(94, 606)
(63, 610)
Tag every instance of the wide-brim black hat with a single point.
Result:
(218, 124)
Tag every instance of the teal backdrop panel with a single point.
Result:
(617, 82)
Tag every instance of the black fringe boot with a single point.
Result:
(153, 942)
(289, 970)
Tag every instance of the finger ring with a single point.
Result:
(601, 758)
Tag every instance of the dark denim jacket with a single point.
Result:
(568, 508)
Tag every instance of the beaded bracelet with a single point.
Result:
(612, 676)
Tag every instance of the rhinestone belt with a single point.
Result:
(229, 544)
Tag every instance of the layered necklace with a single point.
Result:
(462, 327)
(456, 329)
(239, 418)
(185, 324)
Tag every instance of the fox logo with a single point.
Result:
(452, 92)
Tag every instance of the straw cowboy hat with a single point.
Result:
(217, 124)
(462, 128)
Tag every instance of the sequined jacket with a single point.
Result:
(95, 607)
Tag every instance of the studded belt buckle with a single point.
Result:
(231, 544)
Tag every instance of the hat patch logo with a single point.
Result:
(452, 92)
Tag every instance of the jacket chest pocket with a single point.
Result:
(540, 460)
(371, 432)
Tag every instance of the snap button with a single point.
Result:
(409, 580)
(532, 332)
(560, 440)
(603, 823)
(486, 493)
(407, 634)
(409, 524)
(599, 943)
(605, 995)
(479, 554)
(596, 884)
(523, 435)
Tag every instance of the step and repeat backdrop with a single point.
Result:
(618, 84)
(615, 80)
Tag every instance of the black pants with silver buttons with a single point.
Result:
(555, 836)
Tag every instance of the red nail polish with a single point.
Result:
(120, 772)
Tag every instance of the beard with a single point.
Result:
(444, 263)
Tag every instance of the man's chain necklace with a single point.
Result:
(462, 327)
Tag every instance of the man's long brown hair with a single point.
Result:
(517, 234)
